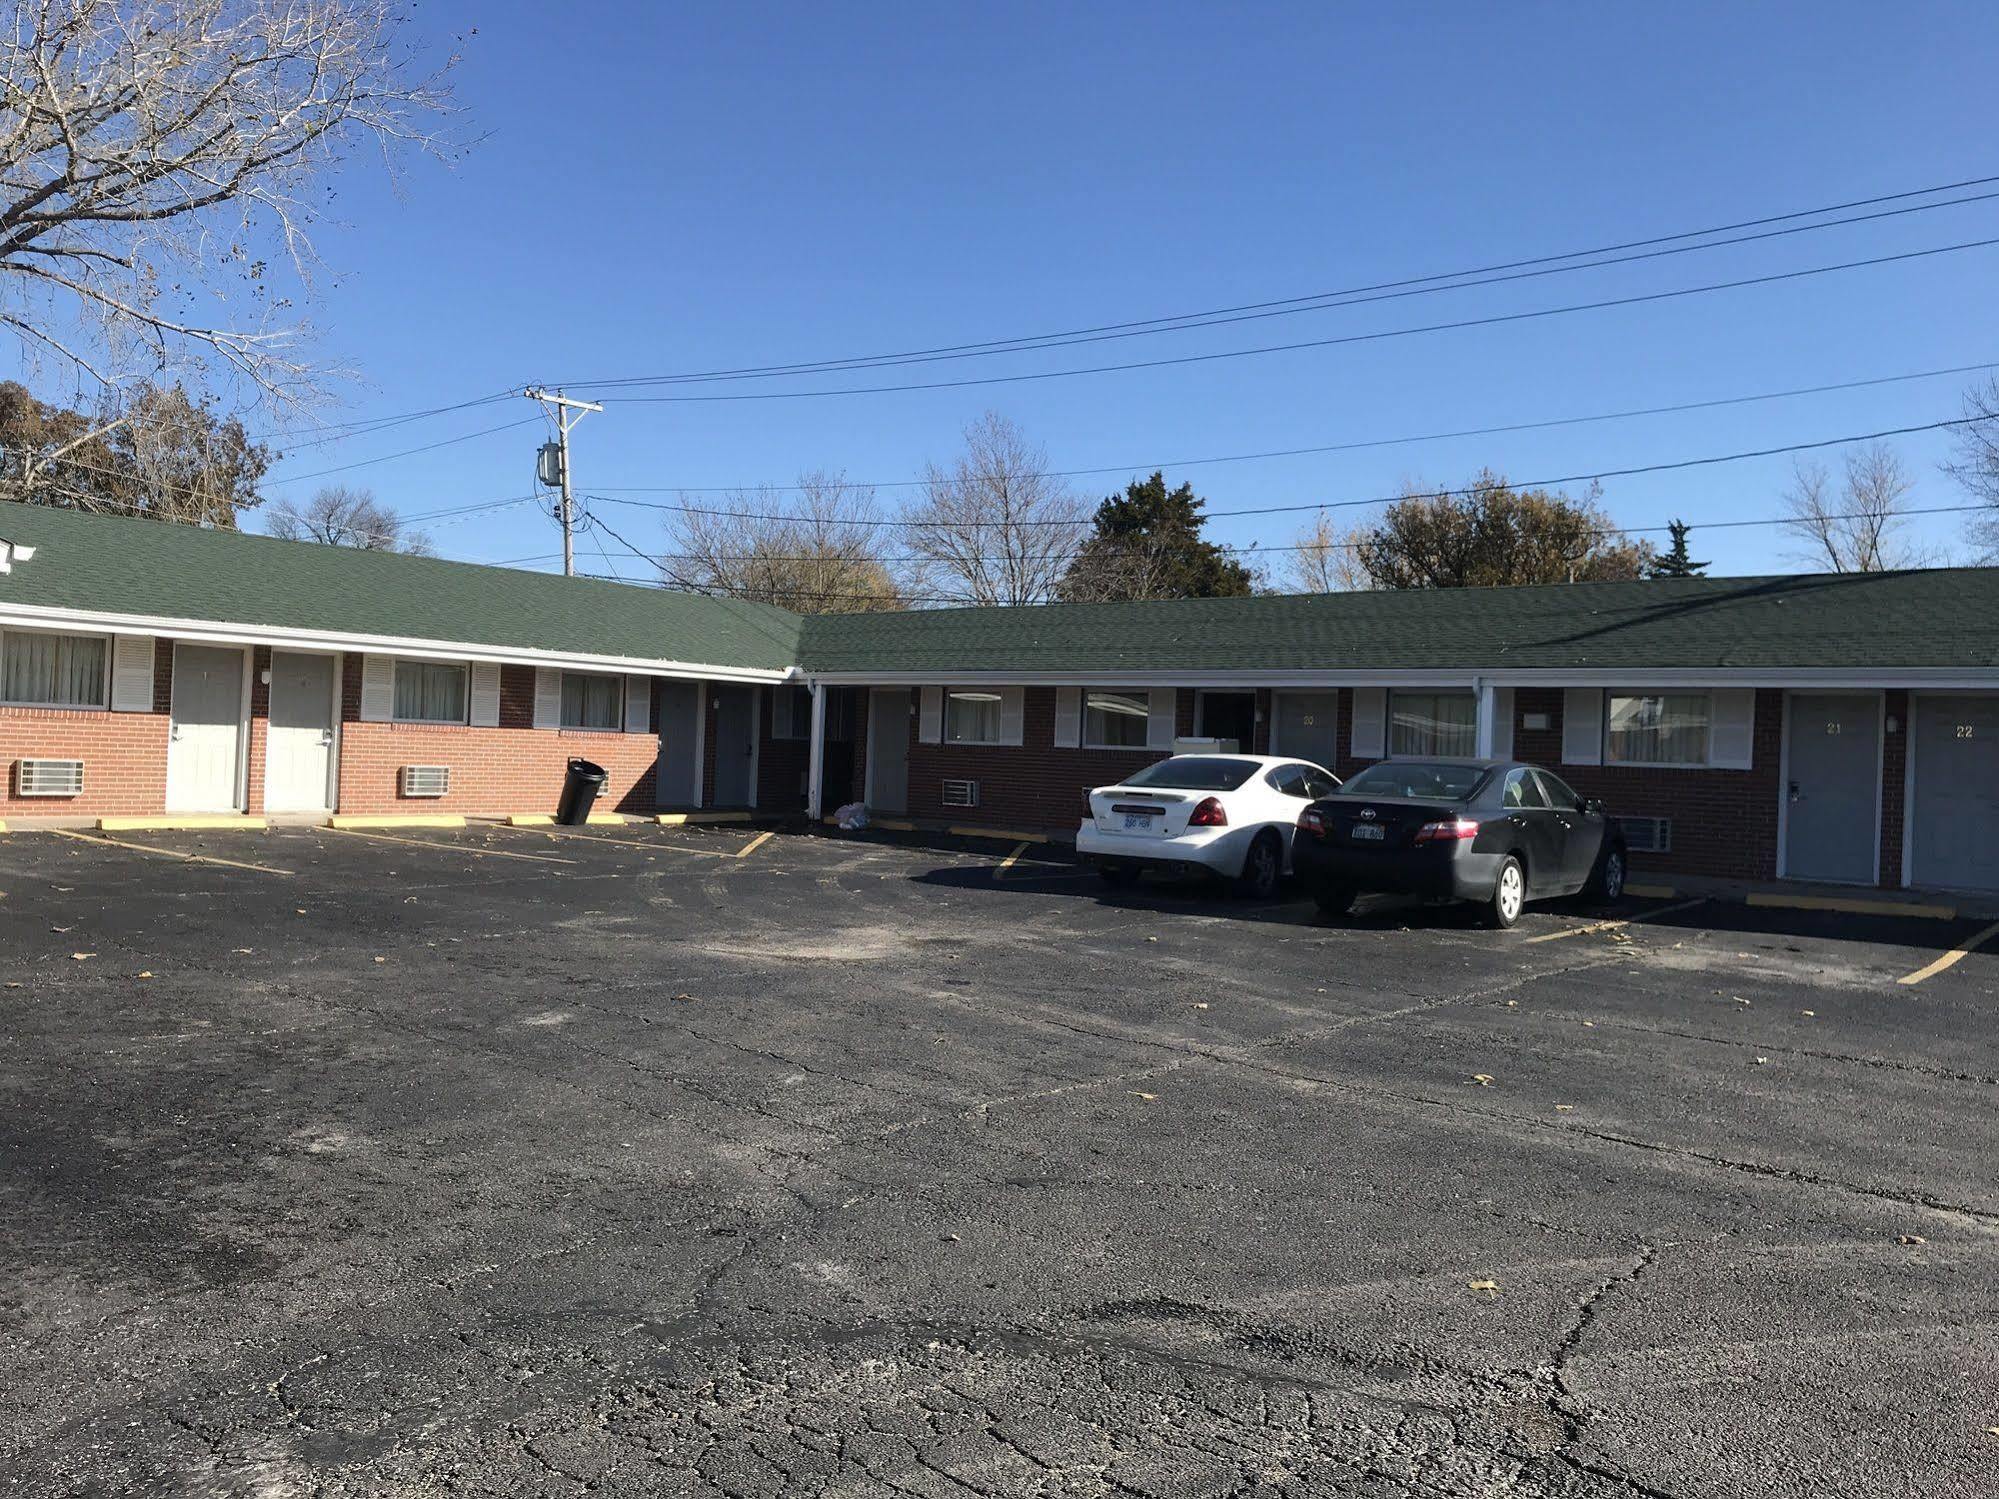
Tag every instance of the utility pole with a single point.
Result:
(558, 406)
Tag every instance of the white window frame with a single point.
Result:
(1706, 695)
(395, 681)
(980, 694)
(1141, 694)
(104, 685)
(1390, 752)
(617, 724)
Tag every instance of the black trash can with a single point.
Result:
(579, 793)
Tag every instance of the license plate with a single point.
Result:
(1137, 820)
(1367, 832)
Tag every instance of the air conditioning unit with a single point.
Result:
(48, 778)
(1647, 835)
(961, 793)
(426, 780)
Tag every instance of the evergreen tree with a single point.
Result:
(1677, 563)
(1147, 544)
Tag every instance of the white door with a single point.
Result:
(298, 757)
(888, 750)
(1954, 816)
(206, 737)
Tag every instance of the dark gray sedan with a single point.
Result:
(1496, 832)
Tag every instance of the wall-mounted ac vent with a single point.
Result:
(961, 793)
(426, 780)
(1647, 835)
(48, 778)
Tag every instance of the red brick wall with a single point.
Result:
(1033, 785)
(513, 768)
(124, 754)
(1894, 768)
(781, 763)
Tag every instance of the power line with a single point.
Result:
(1306, 302)
(1607, 473)
(405, 453)
(1340, 447)
(1459, 324)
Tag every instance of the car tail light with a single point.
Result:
(1456, 830)
(1312, 821)
(1209, 815)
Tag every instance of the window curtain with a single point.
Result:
(1667, 729)
(1116, 720)
(591, 702)
(430, 691)
(972, 718)
(57, 671)
(1433, 723)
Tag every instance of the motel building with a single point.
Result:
(1832, 729)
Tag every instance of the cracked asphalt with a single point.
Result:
(504, 1163)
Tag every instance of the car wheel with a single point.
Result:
(1606, 884)
(1509, 894)
(1117, 876)
(1262, 868)
(1334, 900)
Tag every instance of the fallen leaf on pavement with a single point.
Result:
(1762, 1061)
(1148, 1097)
(1483, 1079)
(1565, 1108)
(1910, 1239)
(78, 957)
(1490, 1287)
(145, 973)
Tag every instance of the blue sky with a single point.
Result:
(673, 188)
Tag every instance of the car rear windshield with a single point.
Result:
(1416, 778)
(1194, 773)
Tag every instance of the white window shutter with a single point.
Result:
(1162, 719)
(485, 694)
(930, 716)
(378, 688)
(1502, 723)
(1582, 726)
(638, 704)
(1013, 715)
(1732, 735)
(547, 698)
(1370, 723)
(132, 674)
(1068, 717)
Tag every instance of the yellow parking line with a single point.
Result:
(449, 848)
(671, 848)
(1951, 958)
(1007, 863)
(167, 853)
(756, 843)
(1605, 926)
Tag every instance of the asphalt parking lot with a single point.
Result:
(699, 1162)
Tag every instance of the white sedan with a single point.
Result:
(1230, 814)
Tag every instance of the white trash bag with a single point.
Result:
(852, 818)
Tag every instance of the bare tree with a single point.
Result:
(156, 155)
(995, 527)
(817, 551)
(343, 517)
(1325, 559)
(1856, 526)
(1975, 464)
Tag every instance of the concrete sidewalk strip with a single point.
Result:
(1952, 958)
(1849, 906)
(169, 853)
(446, 848)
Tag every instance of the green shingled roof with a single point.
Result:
(1945, 618)
(1941, 618)
(126, 566)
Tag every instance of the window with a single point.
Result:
(1319, 783)
(53, 671)
(971, 717)
(591, 701)
(1664, 728)
(431, 691)
(1420, 782)
(1522, 790)
(1287, 780)
(1433, 723)
(1559, 792)
(791, 713)
(1193, 773)
(1116, 720)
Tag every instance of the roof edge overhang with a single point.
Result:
(37, 616)
(1933, 677)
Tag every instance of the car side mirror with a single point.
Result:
(1593, 806)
